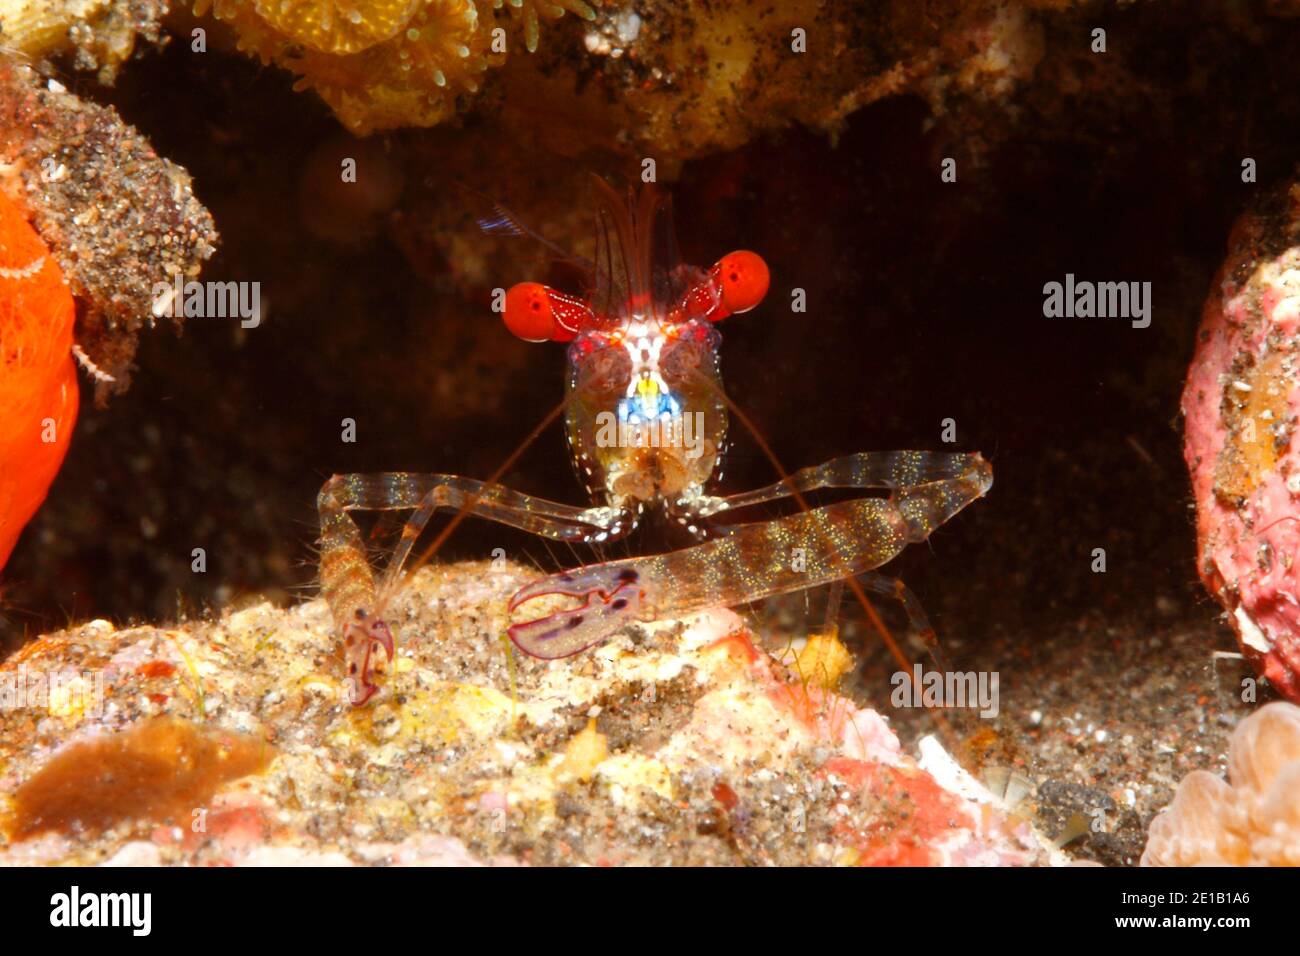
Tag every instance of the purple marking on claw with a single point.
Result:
(609, 602)
(373, 631)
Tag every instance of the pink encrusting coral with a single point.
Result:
(1254, 818)
(1241, 403)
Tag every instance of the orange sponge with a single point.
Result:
(38, 377)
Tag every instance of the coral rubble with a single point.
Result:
(117, 216)
(678, 742)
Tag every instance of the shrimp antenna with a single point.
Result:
(625, 247)
(497, 219)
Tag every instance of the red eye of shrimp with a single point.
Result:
(743, 278)
(537, 313)
(528, 312)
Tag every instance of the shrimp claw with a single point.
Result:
(612, 596)
(359, 638)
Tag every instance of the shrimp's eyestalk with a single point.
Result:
(612, 597)
(359, 639)
(736, 283)
(538, 313)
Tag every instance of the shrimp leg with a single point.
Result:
(890, 470)
(886, 586)
(348, 581)
(756, 560)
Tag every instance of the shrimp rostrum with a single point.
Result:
(646, 421)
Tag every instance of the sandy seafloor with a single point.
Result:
(1099, 716)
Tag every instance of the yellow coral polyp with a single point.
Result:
(528, 10)
(823, 660)
(384, 64)
(337, 26)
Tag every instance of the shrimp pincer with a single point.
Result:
(646, 419)
(752, 561)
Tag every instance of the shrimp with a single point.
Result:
(646, 420)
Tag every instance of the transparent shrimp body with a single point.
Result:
(644, 418)
(646, 421)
